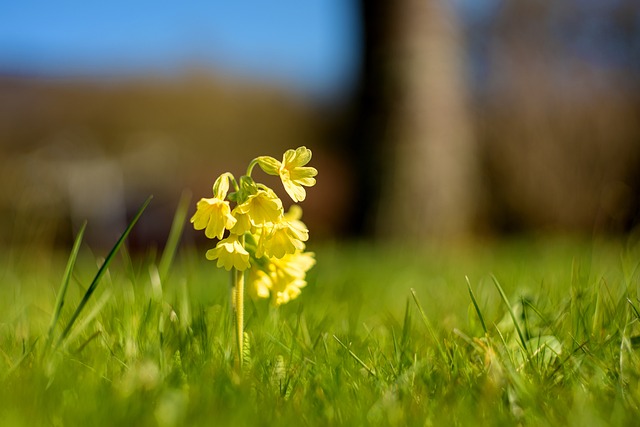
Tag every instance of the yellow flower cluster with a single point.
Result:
(256, 234)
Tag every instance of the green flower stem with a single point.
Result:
(238, 283)
(253, 163)
(234, 183)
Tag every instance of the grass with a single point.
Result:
(530, 332)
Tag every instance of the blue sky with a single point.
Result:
(311, 45)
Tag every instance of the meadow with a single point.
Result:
(529, 331)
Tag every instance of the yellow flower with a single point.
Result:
(230, 254)
(263, 207)
(294, 174)
(243, 222)
(288, 276)
(294, 213)
(213, 215)
(282, 279)
(285, 237)
(295, 265)
(260, 283)
(221, 186)
(291, 170)
(290, 292)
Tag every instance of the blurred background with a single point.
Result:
(429, 120)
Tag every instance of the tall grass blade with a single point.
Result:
(66, 278)
(93, 336)
(635, 310)
(426, 322)
(511, 313)
(406, 327)
(95, 310)
(101, 271)
(184, 304)
(177, 226)
(475, 305)
(355, 356)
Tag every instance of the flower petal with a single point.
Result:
(303, 155)
(230, 254)
(213, 215)
(295, 191)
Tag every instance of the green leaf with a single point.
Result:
(177, 227)
(65, 284)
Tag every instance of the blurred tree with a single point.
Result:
(413, 116)
(555, 118)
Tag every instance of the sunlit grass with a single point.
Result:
(381, 336)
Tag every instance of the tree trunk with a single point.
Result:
(431, 186)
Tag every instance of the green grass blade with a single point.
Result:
(406, 327)
(396, 348)
(101, 271)
(426, 322)
(511, 313)
(66, 278)
(635, 310)
(93, 336)
(95, 310)
(475, 305)
(177, 226)
(355, 357)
